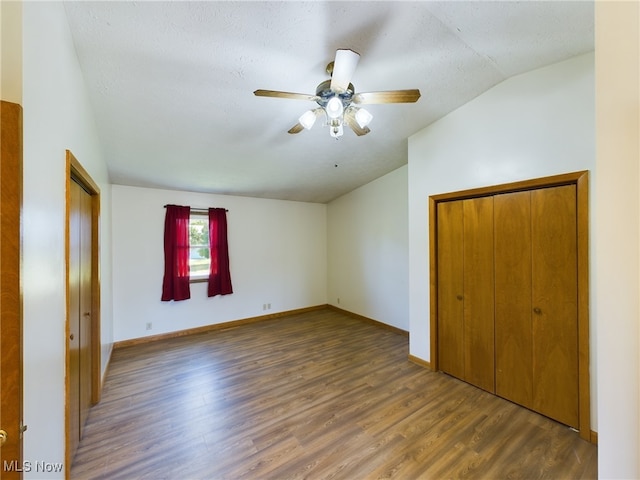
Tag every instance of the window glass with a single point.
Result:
(199, 247)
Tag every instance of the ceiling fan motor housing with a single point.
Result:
(325, 93)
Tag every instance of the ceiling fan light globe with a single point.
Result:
(334, 107)
(363, 117)
(307, 119)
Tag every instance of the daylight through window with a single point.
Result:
(199, 251)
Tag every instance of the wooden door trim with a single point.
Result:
(581, 180)
(11, 286)
(76, 172)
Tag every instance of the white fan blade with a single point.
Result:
(343, 67)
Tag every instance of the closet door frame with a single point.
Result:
(581, 180)
(76, 172)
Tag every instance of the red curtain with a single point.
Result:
(175, 285)
(219, 275)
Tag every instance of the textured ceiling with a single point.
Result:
(171, 83)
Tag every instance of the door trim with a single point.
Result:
(76, 172)
(581, 181)
(11, 312)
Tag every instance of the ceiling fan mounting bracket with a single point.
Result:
(329, 68)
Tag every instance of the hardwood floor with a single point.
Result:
(317, 395)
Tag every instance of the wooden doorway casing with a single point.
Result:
(11, 287)
(580, 180)
(76, 173)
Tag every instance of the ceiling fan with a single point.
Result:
(338, 100)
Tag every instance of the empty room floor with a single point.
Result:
(314, 395)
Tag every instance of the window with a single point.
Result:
(199, 250)
(195, 250)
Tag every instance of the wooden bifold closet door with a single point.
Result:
(536, 301)
(466, 290)
(79, 312)
(507, 297)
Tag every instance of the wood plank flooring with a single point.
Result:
(318, 395)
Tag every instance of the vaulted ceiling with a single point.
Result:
(171, 83)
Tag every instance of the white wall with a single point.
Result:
(616, 270)
(368, 256)
(277, 252)
(537, 124)
(57, 116)
(11, 52)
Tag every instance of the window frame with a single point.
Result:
(201, 277)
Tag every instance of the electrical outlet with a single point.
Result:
(268, 306)
(149, 325)
(338, 300)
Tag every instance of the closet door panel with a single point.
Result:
(75, 222)
(85, 307)
(450, 288)
(554, 297)
(513, 328)
(479, 293)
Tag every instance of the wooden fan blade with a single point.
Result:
(394, 96)
(277, 94)
(350, 119)
(297, 128)
(343, 67)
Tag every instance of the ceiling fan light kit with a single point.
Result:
(334, 108)
(363, 117)
(307, 119)
(336, 130)
(335, 98)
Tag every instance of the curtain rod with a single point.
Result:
(199, 210)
